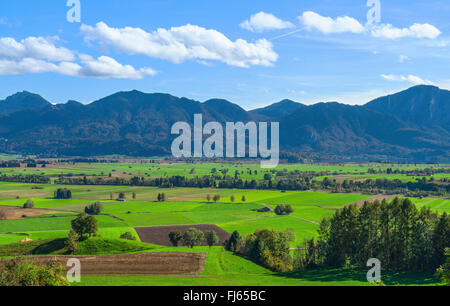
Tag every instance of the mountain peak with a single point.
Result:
(21, 101)
(22, 94)
(421, 105)
(280, 109)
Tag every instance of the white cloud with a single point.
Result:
(409, 78)
(40, 55)
(328, 25)
(416, 30)
(103, 68)
(262, 21)
(389, 77)
(107, 67)
(34, 47)
(179, 44)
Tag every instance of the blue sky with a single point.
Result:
(252, 53)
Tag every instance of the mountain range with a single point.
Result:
(412, 125)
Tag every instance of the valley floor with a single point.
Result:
(48, 223)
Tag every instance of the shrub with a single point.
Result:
(17, 272)
(127, 236)
(283, 210)
(162, 197)
(71, 242)
(28, 204)
(94, 209)
(121, 196)
(270, 248)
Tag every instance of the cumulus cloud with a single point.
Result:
(34, 47)
(40, 55)
(328, 25)
(409, 78)
(179, 44)
(107, 67)
(262, 21)
(416, 30)
(103, 67)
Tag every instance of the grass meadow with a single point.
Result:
(188, 206)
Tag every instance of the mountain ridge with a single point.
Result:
(410, 125)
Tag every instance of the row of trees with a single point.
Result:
(402, 237)
(122, 196)
(193, 237)
(289, 181)
(31, 179)
(216, 198)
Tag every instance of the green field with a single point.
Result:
(223, 268)
(188, 206)
(162, 169)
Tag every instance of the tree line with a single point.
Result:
(402, 237)
(297, 182)
(34, 179)
(193, 237)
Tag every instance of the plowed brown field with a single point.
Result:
(135, 264)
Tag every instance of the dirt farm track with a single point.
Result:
(135, 264)
(160, 234)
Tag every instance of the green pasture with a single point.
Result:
(302, 229)
(224, 268)
(439, 205)
(189, 206)
(315, 199)
(48, 223)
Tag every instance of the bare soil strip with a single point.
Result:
(160, 234)
(379, 197)
(135, 264)
(14, 212)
